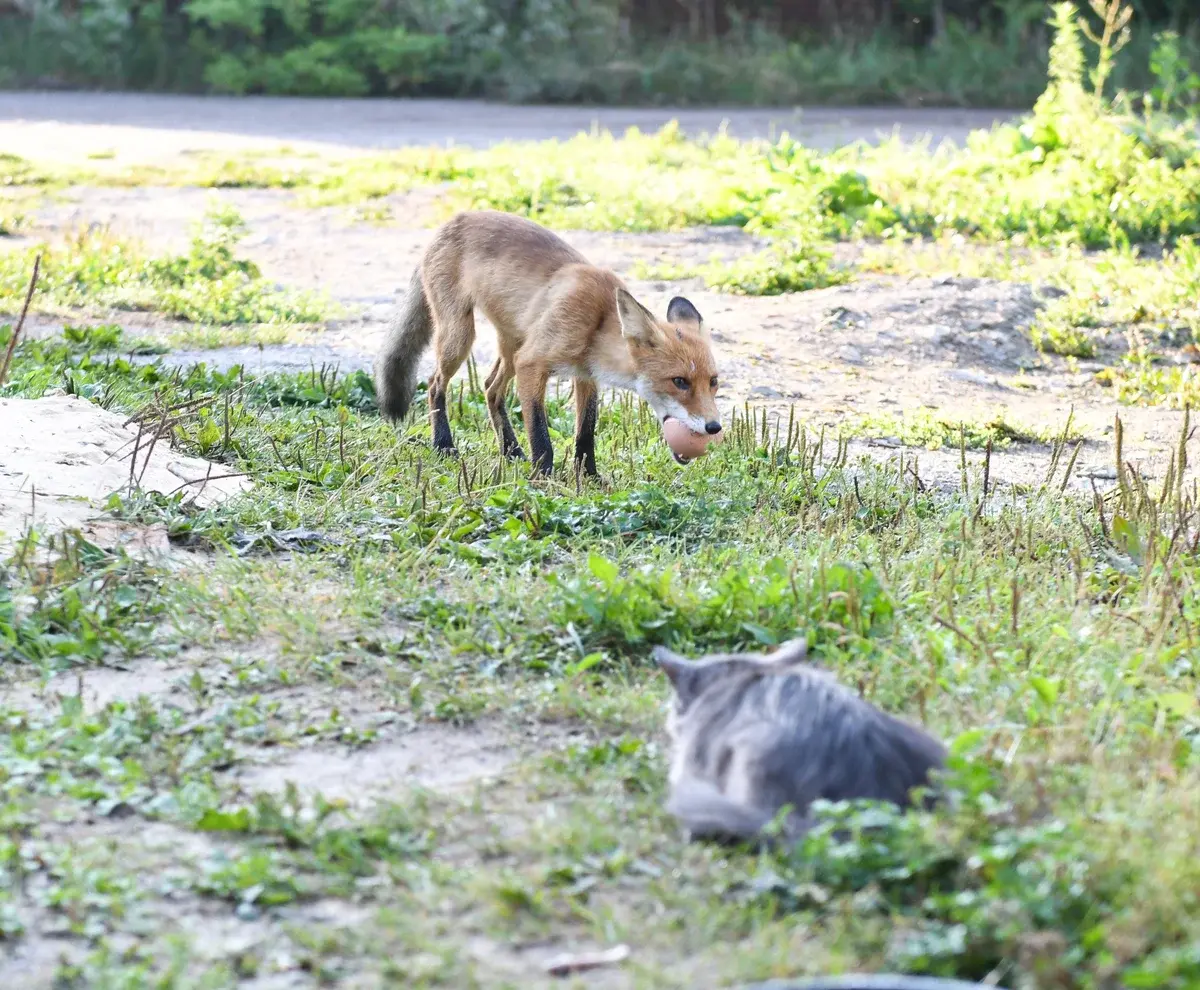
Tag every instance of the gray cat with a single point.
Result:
(752, 733)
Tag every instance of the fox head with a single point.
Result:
(676, 372)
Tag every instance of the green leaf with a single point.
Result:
(1177, 703)
(967, 741)
(760, 633)
(605, 570)
(1126, 537)
(1047, 690)
(224, 821)
(587, 663)
(126, 596)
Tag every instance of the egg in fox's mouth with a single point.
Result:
(685, 443)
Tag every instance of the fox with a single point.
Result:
(555, 315)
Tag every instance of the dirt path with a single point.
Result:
(150, 127)
(878, 347)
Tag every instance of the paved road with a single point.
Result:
(69, 124)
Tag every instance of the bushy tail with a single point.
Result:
(706, 813)
(408, 336)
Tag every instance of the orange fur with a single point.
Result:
(555, 316)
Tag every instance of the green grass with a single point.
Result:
(11, 220)
(933, 431)
(794, 267)
(209, 285)
(1048, 636)
(1030, 183)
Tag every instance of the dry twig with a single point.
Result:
(16, 334)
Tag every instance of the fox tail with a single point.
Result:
(408, 335)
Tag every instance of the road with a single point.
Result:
(60, 125)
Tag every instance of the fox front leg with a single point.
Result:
(532, 378)
(587, 409)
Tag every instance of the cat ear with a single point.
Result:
(673, 665)
(680, 671)
(793, 651)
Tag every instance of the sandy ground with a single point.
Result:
(61, 456)
(877, 346)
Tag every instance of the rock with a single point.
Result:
(73, 455)
(974, 377)
(936, 333)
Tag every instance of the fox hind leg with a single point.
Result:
(496, 387)
(452, 343)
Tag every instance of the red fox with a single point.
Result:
(555, 315)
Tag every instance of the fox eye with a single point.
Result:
(680, 383)
(713, 382)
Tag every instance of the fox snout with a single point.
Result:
(712, 427)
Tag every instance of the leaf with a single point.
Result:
(1047, 690)
(605, 570)
(1126, 537)
(760, 633)
(126, 596)
(587, 663)
(967, 741)
(1177, 703)
(224, 821)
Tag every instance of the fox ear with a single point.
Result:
(682, 313)
(637, 323)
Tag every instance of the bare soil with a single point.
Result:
(878, 345)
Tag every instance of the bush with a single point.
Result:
(561, 50)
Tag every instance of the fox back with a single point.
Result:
(752, 734)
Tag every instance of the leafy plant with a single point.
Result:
(84, 605)
(209, 284)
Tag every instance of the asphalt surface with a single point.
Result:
(60, 124)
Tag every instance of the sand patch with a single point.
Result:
(61, 457)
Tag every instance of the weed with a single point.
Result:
(82, 606)
(922, 428)
(769, 273)
(207, 285)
